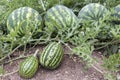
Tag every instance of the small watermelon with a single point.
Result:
(59, 17)
(92, 12)
(29, 66)
(52, 55)
(24, 19)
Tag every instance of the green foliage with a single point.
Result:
(84, 40)
(46, 4)
(103, 34)
(111, 3)
(84, 51)
(113, 62)
(116, 32)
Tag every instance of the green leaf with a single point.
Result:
(112, 63)
(85, 52)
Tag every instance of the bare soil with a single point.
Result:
(71, 68)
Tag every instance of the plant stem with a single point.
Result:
(10, 53)
(24, 49)
(20, 57)
(66, 45)
(97, 69)
(43, 5)
(7, 74)
(36, 52)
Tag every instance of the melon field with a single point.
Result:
(59, 40)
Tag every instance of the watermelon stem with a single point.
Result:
(7, 74)
(36, 52)
(60, 41)
(10, 52)
(102, 72)
(17, 58)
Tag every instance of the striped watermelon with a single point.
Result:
(116, 15)
(52, 56)
(117, 9)
(24, 19)
(92, 12)
(59, 17)
(116, 12)
(29, 66)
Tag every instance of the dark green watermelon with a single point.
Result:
(52, 55)
(59, 17)
(92, 12)
(24, 19)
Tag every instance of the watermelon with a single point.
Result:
(52, 55)
(24, 19)
(59, 17)
(29, 66)
(116, 15)
(92, 12)
(117, 9)
(116, 12)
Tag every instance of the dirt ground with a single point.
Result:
(70, 69)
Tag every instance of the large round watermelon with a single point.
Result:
(116, 15)
(59, 17)
(92, 12)
(24, 19)
(117, 9)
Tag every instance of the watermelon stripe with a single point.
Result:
(28, 16)
(56, 19)
(51, 53)
(27, 67)
(72, 19)
(13, 19)
(58, 60)
(90, 16)
(52, 56)
(25, 13)
(17, 22)
(55, 56)
(66, 10)
(46, 53)
(67, 15)
(52, 12)
(84, 16)
(99, 14)
(21, 11)
(92, 12)
(22, 14)
(30, 69)
(55, 13)
(61, 14)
